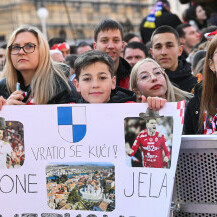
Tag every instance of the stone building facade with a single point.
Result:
(72, 19)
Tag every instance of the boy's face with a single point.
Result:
(95, 83)
(110, 42)
(166, 50)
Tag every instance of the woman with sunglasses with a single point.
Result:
(30, 76)
(149, 79)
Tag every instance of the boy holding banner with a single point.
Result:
(95, 81)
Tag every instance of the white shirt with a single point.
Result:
(5, 148)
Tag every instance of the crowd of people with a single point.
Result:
(172, 59)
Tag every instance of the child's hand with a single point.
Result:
(2, 102)
(154, 103)
(16, 98)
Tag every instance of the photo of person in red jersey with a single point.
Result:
(12, 153)
(156, 153)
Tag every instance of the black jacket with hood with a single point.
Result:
(63, 93)
(191, 121)
(182, 76)
(118, 95)
(123, 73)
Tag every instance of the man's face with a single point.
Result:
(83, 49)
(166, 50)
(110, 42)
(152, 126)
(1, 134)
(192, 37)
(132, 56)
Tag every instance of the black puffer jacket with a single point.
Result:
(118, 95)
(182, 77)
(123, 73)
(63, 93)
(191, 121)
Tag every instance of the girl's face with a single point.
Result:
(200, 13)
(151, 80)
(25, 53)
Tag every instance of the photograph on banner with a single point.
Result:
(81, 186)
(148, 140)
(11, 144)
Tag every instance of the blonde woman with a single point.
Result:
(149, 79)
(30, 76)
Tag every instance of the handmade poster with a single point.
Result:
(86, 160)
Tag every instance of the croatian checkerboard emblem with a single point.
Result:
(72, 123)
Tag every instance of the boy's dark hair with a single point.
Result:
(106, 25)
(180, 29)
(129, 36)
(165, 29)
(90, 57)
(70, 60)
(137, 45)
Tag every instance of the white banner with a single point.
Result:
(74, 160)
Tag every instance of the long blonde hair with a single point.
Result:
(173, 94)
(209, 93)
(43, 84)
